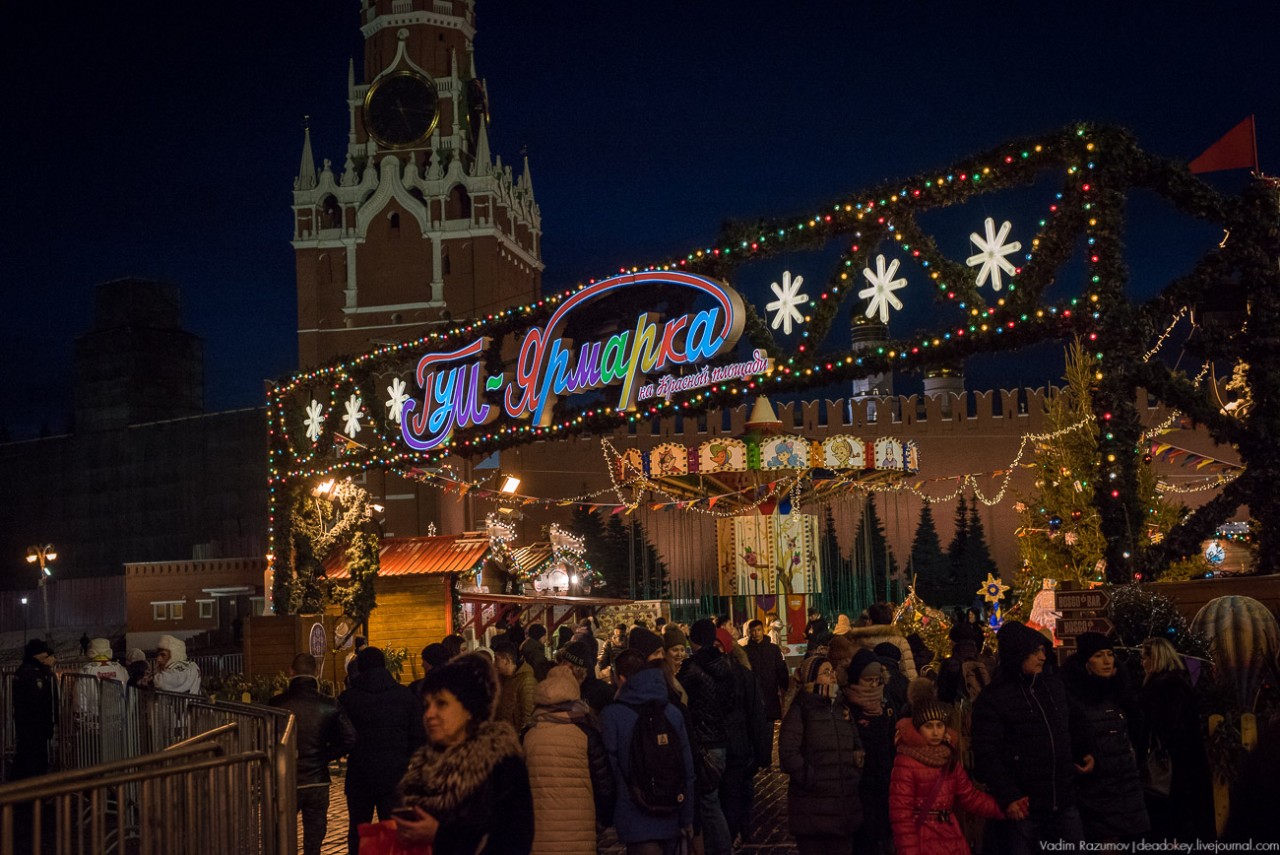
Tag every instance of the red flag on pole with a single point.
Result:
(1237, 150)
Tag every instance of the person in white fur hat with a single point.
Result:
(174, 671)
(101, 665)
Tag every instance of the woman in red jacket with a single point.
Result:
(927, 782)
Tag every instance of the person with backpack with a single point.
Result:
(652, 763)
(573, 786)
(819, 749)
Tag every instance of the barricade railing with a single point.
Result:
(6, 722)
(219, 666)
(193, 798)
(234, 780)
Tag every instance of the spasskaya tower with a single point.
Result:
(421, 224)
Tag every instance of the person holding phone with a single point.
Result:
(819, 749)
(466, 790)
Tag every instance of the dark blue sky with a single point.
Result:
(161, 140)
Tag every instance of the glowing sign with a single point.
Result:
(452, 386)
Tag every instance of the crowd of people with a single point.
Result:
(659, 732)
(35, 687)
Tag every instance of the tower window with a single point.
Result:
(445, 267)
(330, 213)
(458, 205)
(397, 318)
(393, 225)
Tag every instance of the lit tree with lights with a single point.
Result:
(1060, 532)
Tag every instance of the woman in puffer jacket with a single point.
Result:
(569, 774)
(1112, 806)
(818, 748)
(928, 780)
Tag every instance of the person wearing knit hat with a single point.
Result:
(646, 642)
(596, 692)
(927, 782)
(864, 693)
(468, 786)
(895, 682)
(819, 750)
(100, 664)
(1111, 801)
(703, 633)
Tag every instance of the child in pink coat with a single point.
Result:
(927, 782)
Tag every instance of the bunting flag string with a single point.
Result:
(1167, 452)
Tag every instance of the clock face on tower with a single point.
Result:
(401, 109)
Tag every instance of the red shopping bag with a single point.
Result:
(379, 838)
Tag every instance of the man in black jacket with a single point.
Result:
(388, 722)
(1027, 747)
(324, 734)
(769, 669)
(34, 709)
(702, 675)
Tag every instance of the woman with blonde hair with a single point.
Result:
(1172, 725)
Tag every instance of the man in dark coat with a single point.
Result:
(814, 629)
(433, 656)
(701, 675)
(749, 745)
(324, 734)
(769, 669)
(1026, 744)
(388, 722)
(33, 710)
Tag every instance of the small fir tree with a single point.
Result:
(929, 564)
(871, 552)
(959, 538)
(976, 561)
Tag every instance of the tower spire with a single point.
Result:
(527, 177)
(306, 179)
(482, 149)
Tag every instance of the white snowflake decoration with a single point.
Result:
(314, 421)
(396, 399)
(789, 298)
(992, 252)
(351, 421)
(880, 294)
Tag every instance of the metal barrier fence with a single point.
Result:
(219, 666)
(195, 798)
(121, 735)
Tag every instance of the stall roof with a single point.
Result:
(530, 558)
(422, 556)
(539, 599)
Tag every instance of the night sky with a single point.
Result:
(161, 139)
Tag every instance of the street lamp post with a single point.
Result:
(43, 555)
(24, 621)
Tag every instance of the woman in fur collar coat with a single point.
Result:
(468, 786)
(928, 780)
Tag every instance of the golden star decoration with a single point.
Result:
(993, 589)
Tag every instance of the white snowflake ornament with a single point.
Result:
(314, 421)
(351, 421)
(785, 308)
(396, 398)
(880, 294)
(992, 252)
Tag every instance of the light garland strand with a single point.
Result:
(1146, 357)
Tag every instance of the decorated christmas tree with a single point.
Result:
(1060, 532)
